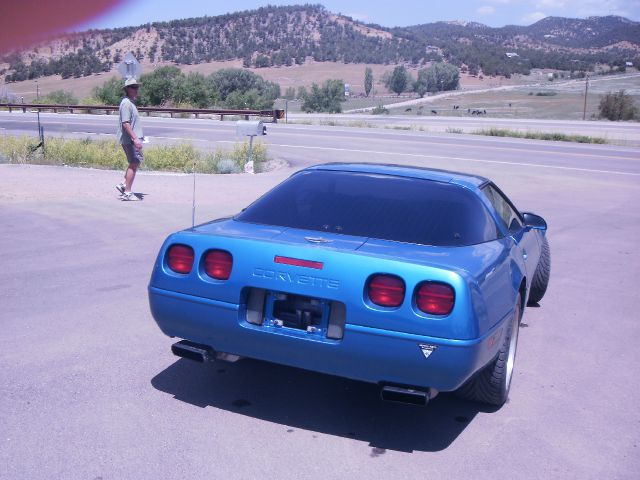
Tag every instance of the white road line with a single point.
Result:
(461, 159)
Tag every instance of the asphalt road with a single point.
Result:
(91, 390)
(619, 133)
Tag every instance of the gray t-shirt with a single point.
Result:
(128, 113)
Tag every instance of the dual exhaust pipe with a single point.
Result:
(390, 393)
(200, 353)
(408, 395)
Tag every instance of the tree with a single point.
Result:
(399, 80)
(110, 92)
(194, 89)
(290, 93)
(232, 80)
(441, 77)
(325, 98)
(421, 85)
(617, 106)
(157, 86)
(368, 81)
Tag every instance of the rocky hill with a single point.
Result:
(283, 36)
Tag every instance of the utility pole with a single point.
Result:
(586, 91)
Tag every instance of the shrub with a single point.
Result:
(380, 110)
(227, 165)
(617, 106)
(110, 92)
(325, 98)
(60, 97)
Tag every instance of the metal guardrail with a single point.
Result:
(275, 115)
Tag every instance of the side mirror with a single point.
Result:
(531, 220)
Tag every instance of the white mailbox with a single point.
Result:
(250, 128)
(247, 128)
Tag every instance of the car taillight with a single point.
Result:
(218, 264)
(386, 290)
(180, 258)
(435, 298)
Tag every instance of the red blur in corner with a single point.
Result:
(25, 22)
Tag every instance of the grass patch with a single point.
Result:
(453, 130)
(108, 155)
(560, 137)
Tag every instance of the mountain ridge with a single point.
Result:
(288, 35)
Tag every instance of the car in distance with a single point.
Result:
(414, 279)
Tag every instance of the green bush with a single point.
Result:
(325, 98)
(617, 106)
(380, 110)
(231, 88)
(59, 97)
(110, 92)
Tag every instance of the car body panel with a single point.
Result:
(380, 344)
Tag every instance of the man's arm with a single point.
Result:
(126, 126)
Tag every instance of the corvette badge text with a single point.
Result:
(296, 278)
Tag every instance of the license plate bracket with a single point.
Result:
(297, 312)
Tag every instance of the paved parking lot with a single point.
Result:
(90, 389)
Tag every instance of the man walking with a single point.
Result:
(130, 137)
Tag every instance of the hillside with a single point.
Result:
(290, 35)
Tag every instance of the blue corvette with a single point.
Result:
(413, 279)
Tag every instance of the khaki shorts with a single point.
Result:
(133, 154)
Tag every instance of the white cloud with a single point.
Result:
(533, 17)
(558, 4)
(486, 10)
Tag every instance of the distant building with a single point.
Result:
(511, 54)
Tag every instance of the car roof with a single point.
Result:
(446, 176)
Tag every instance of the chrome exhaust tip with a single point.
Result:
(193, 351)
(411, 396)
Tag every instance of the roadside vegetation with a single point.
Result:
(326, 98)
(108, 155)
(561, 137)
(618, 106)
(439, 77)
(232, 88)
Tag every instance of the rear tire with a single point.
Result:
(541, 276)
(491, 384)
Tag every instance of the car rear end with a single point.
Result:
(332, 308)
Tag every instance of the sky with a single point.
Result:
(495, 13)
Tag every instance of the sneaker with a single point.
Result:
(120, 187)
(128, 196)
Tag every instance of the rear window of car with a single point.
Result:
(376, 206)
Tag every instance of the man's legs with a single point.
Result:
(130, 175)
(134, 158)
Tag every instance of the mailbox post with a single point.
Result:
(250, 129)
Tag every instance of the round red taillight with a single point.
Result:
(386, 290)
(435, 298)
(218, 264)
(180, 258)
